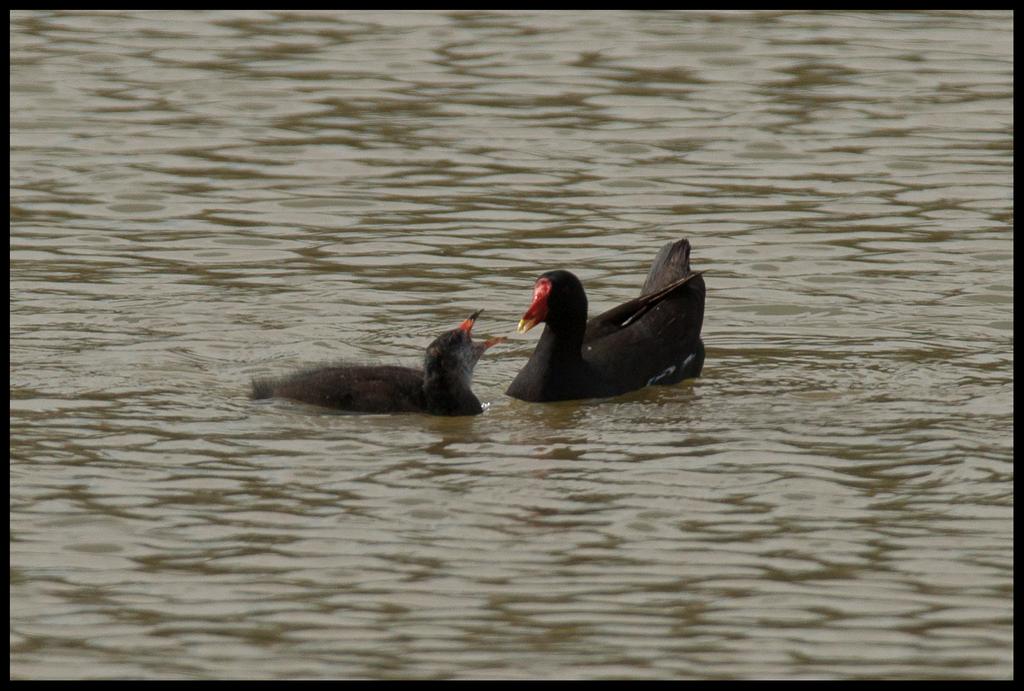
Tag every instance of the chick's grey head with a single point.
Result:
(453, 355)
(448, 371)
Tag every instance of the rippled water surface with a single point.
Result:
(199, 198)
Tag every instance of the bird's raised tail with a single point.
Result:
(671, 264)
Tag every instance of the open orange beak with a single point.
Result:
(467, 326)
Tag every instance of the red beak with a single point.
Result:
(538, 311)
